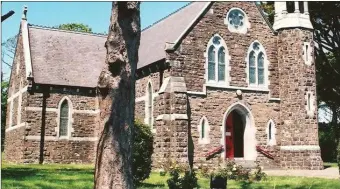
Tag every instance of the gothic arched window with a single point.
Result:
(257, 65)
(271, 131)
(149, 105)
(217, 60)
(203, 130)
(64, 119)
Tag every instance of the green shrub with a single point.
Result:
(232, 171)
(142, 152)
(182, 178)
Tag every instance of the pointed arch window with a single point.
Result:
(149, 105)
(203, 129)
(257, 65)
(271, 132)
(217, 60)
(64, 119)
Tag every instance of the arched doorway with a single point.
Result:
(234, 137)
(238, 133)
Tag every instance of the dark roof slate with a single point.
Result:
(66, 58)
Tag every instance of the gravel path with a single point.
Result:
(330, 173)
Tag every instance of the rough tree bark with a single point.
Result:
(116, 91)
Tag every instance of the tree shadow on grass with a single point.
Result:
(21, 173)
(149, 185)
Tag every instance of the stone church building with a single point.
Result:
(215, 81)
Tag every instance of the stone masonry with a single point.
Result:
(182, 97)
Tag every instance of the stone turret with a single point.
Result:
(298, 131)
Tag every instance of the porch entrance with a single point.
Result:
(234, 135)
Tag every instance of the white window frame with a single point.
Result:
(241, 29)
(70, 118)
(226, 62)
(307, 54)
(206, 139)
(266, 65)
(272, 141)
(147, 116)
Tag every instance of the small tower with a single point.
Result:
(298, 144)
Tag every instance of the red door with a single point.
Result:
(229, 135)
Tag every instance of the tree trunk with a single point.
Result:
(117, 99)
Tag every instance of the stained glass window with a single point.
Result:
(211, 63)
(257, 72)
(236, 18)
(270, 131)
(221, 64)
(203, 129)
(252, 68)
(64, 117)
(260, 68)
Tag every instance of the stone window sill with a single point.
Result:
(250, 88)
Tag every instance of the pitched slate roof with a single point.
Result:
(62, 57)
(66, 58)
(169, 29)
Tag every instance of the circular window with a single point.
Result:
(237, 21)
(236, 18)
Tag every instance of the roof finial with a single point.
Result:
(24, 13)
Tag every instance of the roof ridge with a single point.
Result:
(166, 16)
(54, 28)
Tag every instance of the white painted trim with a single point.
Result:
(266, 66)
(70, 118)
(272, 141)
(16, 126)
(299, 147)
(26, 47)
(53, 138)
(275, 99)
(204, 92)
(40, 109)
(24, 89)
(243, 29)
(86, 111)
(249, 137)
(10, 114)
(172, 117)
(226, 59)
(206, 139)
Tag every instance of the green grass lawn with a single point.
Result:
(81, 176)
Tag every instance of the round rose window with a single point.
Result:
(236, 18)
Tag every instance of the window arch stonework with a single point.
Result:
(237, 21)
(257, 66)
(64, 119)
(149, 119)
(217, 61)
(203, 130)
(271, 132)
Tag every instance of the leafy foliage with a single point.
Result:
(142, 152)
(76, 27)
(4, 87)
(182, 177)
(232, 171)
(327, 142)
